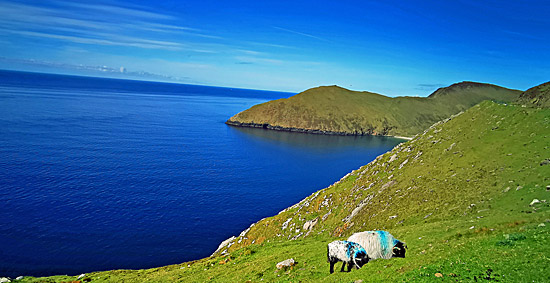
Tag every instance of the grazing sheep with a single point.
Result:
(349, 253)
(379, 244)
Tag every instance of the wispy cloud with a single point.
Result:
(428, 87)
(117, 10)
(98, 24)
(258, 60)
(300, 33)
(122, 41)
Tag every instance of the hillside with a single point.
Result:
(459, 194)
(335, 110)
(538, 96)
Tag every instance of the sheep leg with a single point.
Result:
(332, 267)
(350, 265)
(343, 265)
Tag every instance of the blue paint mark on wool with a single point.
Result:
(352, 246)
(395, 241)
(348, 249)
(383, 241)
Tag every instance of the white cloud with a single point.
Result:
(301, 33)
(128, 42)
(98, 24)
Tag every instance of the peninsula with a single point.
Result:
(339, 111)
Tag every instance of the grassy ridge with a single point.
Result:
(458, 194)
(338, 110)
(538, 96)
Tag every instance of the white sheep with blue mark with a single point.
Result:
(379, 244)
(347, 252)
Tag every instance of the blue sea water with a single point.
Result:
(100, 174)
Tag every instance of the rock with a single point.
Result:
(285, 224)
(19, 278)
(506, 190)
(519, 188)
(545, 162)
(286, 263)
(310, 224)
(393, 216)
(225, 243)
(542, 225)
(438, 275)
(326, 215)
(392, 158)
(403, 164)
(80, 276)
(548, 188)
(4, 280)
(535, 201)
(358, 281)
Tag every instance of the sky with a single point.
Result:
(395, 48)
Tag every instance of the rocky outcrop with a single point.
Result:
(300, 130)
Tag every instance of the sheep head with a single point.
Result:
(399, 249)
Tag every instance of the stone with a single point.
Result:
(80, 276)
(535, 201)
(548, 188)
(545, 162)
(393, 216)
(506, 190)
(4, 280)
(542, 225)
(286, 263)
(310, 224)
(285, 224)
(19, 278)
(438, 275)
(225, 243)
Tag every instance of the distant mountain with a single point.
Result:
(538, 96)
(336, 110)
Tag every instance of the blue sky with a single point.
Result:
(390, 47)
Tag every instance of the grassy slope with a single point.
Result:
(336, 109)
(460, 192)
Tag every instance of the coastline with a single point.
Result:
(308, 131)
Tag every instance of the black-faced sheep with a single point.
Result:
(349, 253)
(379, 244)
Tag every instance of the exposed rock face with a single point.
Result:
(224, 244)
(310, 224)
(296, 130)
(538, 96)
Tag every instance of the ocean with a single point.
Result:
(99, 174)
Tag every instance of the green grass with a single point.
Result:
(460, 202)
(340, 110)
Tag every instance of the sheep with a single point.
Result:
(349, 253)
(379, 244)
